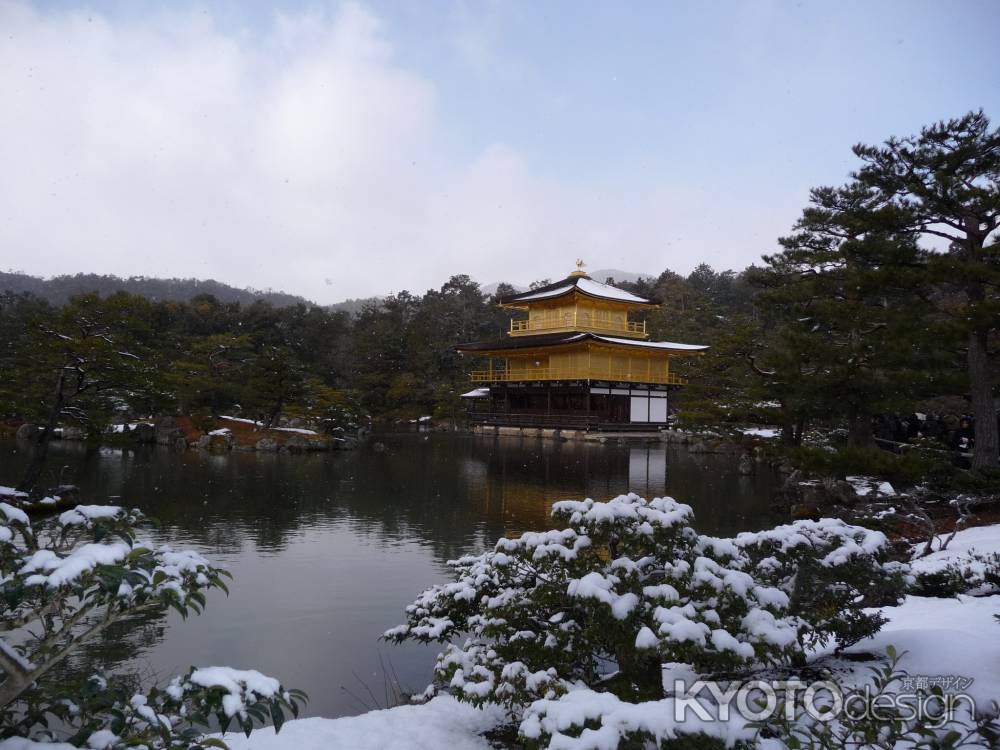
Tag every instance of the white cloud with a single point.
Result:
(172, 147)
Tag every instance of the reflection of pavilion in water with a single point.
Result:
(518, 481)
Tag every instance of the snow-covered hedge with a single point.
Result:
(621, 587)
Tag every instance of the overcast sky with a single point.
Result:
(341, 150)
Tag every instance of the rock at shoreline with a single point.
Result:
(218, 441)
(27, 431)
(812, 498)
(675, 436)
(297, 444)
(785, 467)
(267, 445)
(168, 435)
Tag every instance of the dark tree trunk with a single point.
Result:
(272, 417)
(788, 433)
(859, 426)
(791, 430)
(983, 409)
(34, 469)
(787, 428)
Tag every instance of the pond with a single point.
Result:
(327, 549)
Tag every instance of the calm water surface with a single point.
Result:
(326, 550)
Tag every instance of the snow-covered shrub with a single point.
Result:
(67, 579)
(830, 571)
(975, 573)
(588, 720)
(627, 585)
(884, 713)
(107, 714)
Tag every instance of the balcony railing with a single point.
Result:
(574, 373)
(560, 421)
(578, 323)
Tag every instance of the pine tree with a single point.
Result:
(842, 295)
(946, 180)
(80, 364)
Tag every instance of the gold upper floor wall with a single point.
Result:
(578, 313)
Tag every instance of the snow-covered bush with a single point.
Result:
(974, 573)
(884, 714)
(830, 571)
(585, 719)
(626, 585)
(67, 579)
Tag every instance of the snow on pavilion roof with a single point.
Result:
(558, 339)
(477, 393)
(654, 344)
(584, 285)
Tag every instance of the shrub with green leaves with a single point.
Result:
(627, 585)
(67, 579)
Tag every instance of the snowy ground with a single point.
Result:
(441, 724)
(941, 637)
(120, 428)
(298, 430)
(944, 637)
(761, 432)
(977, 540)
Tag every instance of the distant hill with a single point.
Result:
(617, 274)
(492, 288)
(59, 289)
(353, 305)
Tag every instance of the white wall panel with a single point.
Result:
(657, 410)
(640, 409)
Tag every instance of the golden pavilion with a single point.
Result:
(575, 359)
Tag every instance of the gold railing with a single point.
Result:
(578, 323)
(574, 373)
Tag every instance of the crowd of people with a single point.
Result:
(957, 433)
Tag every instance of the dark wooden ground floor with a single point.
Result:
(576, 405)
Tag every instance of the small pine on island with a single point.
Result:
(574, 360)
